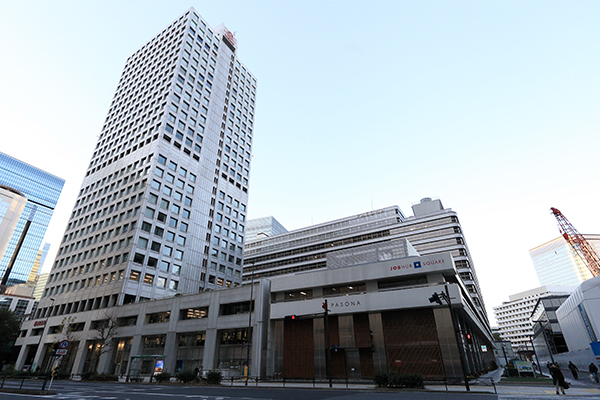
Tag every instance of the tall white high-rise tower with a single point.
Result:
(162, 207)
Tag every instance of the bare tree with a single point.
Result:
(104, 330)
(68, 328)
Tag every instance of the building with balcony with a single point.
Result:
(514, 316)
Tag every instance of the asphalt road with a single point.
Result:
(111, 391)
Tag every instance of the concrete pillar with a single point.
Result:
(39, 355)
(104, 360)
(447, 341)
(379, 355)
(210, 359)
(275, 349)
(22, 354)
(170, 352)
(319, 343)
(79, 360)
(346, 331)
(211, 349)
(136, 345)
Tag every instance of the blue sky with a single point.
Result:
(490, 106)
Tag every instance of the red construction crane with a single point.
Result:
(578, 243)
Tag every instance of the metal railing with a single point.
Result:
(24, 383)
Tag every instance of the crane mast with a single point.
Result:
(577, 242)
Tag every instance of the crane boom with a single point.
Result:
(577, 242)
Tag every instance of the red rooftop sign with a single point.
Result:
(229, 36)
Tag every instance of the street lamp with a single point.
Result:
(445, 296)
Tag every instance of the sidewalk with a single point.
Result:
(477, 387)
(579, 388)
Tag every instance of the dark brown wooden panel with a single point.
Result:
(298, 349)
(362, 331)
(366, 362)
(411, 343)
(338, 363)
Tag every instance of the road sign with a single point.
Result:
(63, 344)
(61, 352)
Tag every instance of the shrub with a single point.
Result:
(62, 375)
(396, 380)
(106, 378)
(8, 370)
(381, 379)
(214, 377)
(89, 376)
(40, 374)
(163, 377)
(186, 376)
(413, 381)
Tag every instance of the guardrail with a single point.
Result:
(256, 381)
(24, 383)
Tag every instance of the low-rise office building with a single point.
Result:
(380, 318)
(209, 330)
(432, 229)
(514, 316)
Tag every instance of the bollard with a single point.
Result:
(232, 381)
(494, 385)
(22, 381)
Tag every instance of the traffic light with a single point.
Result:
(435, 298)
(469, 338)
(290, 318)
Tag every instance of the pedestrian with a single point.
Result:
(196, 371)
(574, 370)
(594, 371)
(557, 378)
